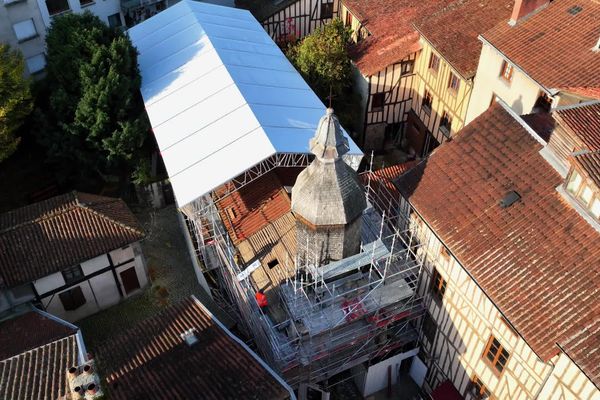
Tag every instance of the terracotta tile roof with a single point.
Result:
(590, 163)
(151, 361)
(393, 36)
(454, 30)
(589, 92)
(584, 348)
(554, 46)
(583, 120)
(543, 123)
(382, 179)
(60, 232)
(537, 259)
(28, 331)
(40, 372)
(254, 206)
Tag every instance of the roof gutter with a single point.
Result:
(248, 349)
(551, 91)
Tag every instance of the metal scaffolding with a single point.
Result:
(335, 316)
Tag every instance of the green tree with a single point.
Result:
(323, 59)
(94, 119)
(15, 99)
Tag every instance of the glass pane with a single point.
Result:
(595, 209)
(586, 194)
(574, 182)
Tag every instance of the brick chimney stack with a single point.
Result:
(523, 8)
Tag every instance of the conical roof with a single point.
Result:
(329, 142)
(328, 191)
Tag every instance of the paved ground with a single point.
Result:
(170, 270)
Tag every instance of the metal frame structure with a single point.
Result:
(335, 320)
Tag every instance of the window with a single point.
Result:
(72, 274)
(506, 72)
(429, 328)
(595, 208)
(377, 102)
(25, 30)
(445, 125)
(574, 182)
(438, 285)
(36, 63)
(114, 21)
(86, 2)
(434, 63)
(57, 6)
(407, 67)
(478, 389)
(72, 299)
(427, 100)
(273, 263)
(586, 195)
(495, 355)
(326, 10)
(453, 83)
(348, 19)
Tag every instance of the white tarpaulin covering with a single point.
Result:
(220, 95)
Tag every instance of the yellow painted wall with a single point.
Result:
(444, 99)
(520, 94)
(466, 318)
(357, 29)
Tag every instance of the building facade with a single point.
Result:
(512, 68)
(72, 255)
(23, 24)
(495, 273)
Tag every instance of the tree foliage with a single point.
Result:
(15, 99)
(94, 119)
(322, 58)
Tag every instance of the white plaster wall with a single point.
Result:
(95, 264)
(48, 283)
(377, 374)
(520, 94)
(105, 289)
(121, 255)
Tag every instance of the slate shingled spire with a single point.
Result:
(328, 198)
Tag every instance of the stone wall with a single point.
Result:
(327, 244)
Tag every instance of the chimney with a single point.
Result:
(523, 8)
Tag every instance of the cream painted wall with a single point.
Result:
(520, 94)
(444, 99)
(466, 318)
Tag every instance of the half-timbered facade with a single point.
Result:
(385, 53)
(512, 310)
(288, 21)
(446, 66)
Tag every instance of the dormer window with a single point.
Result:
(585, 192)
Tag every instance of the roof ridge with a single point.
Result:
(576, 106)
(106, 217)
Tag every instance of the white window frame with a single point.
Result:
(25, 30)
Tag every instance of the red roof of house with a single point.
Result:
(382, 179)
(254, 206)
(28, 331)
(35, 352)
(589, 92)
(152, 361)
(554, 46)
(583, 120)
(537, 260)
(60, 232)
(393, 36)
(454, 30)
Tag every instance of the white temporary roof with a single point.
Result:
(220, 95)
